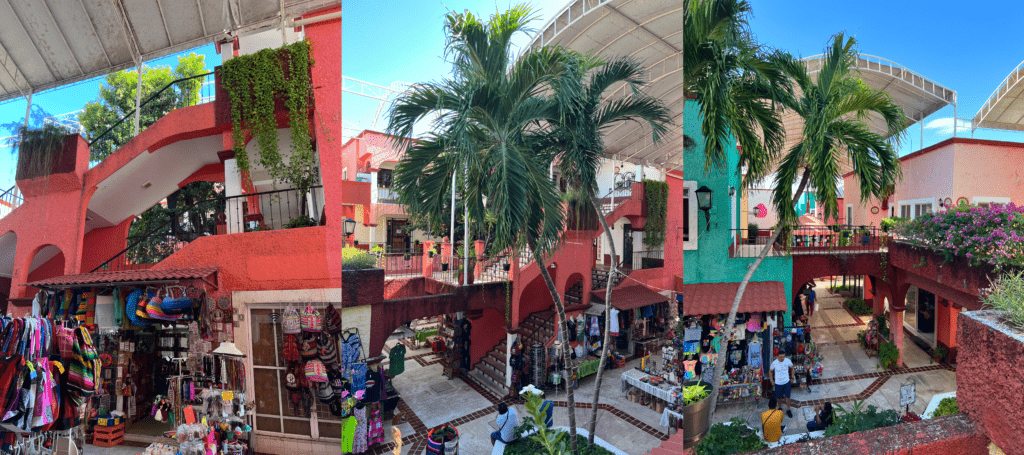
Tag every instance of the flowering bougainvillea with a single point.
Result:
(983, 235)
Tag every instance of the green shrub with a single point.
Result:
(859, 419)
(694, 393)
(302, 221)
(1007, 295)
(887, 355)
(356, 259)
(946, 407)
(889, 223)
(858, 306)
(527, 446)
(729, 439)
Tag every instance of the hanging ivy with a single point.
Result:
(657, 209)
(253, 83)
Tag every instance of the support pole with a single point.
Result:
(28, 108)
(451, 237)
(955, 119)
(465, 226)
(138, 100)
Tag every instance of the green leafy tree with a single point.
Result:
(190, 213)
(579, 117)
(488, 110)
(117, 100)
(834, 108)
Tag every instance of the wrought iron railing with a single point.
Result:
(644, 260)
(187, 91)
(811, 239)
(10, 200)
(387, 195)
(399, 263)
(271, 210)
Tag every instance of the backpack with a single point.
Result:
(311, 320)
(332, 320)
(291, 323)
(316, 371)
(291, 349)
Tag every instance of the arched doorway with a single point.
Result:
(48, 262)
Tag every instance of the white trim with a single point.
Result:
(849, 214)
(913, 202)
(689, 191)
(989, 200)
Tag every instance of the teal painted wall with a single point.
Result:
(711, 263)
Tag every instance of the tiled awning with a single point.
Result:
(630, 297)
(125, 277)
(716, 298)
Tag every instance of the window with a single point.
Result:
(691, 222)
(917, 207)
(274, 410)
(922, 209)
(986, 201)
(904, 211)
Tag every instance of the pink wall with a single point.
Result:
(988, 169)
(673, 236)
(484, 337)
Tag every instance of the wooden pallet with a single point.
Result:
(108, 436)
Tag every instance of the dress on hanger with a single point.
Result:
(359, 441)
(348, 434)
(376, 425)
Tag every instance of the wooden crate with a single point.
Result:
(108, 436)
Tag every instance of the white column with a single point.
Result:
(233, 187)
(28, 107)
(138, 99)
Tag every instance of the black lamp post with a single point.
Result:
(704, 204)
(350, 227)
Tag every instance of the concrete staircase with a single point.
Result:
(538, 328)
(599, 278)
(574, 295)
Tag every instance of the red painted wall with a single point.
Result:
(259, 261)
(326, 80)
(483, 337)
(989, 382)
(103, 244)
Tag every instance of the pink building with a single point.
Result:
(955, 171)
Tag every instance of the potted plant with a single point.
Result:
(696, 411)
(444, 266)
(506, 266)
(407, 256)
(938, 354)
(734, 436)
(377, 250)
(865, 235)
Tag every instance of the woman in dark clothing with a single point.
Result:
(822, 418)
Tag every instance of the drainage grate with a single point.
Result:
(441, 387)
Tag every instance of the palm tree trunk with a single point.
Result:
(563, 330)
(716, 381)
(607, 320)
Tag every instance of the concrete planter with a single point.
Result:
(990, 386)
(696, 420)
(362, 287)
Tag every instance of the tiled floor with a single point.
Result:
(849, 374)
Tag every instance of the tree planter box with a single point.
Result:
(990, 384)
(696, 420)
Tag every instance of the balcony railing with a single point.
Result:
(387, 195)
(814, 239)
(644, 260)
(401, 263)
(10, 200)
(271, 210)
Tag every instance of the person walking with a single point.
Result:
(811, 298)
(781, 375)
(507, 421)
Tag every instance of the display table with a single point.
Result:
(588, 367)
(633, 377)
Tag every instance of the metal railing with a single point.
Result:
(493, 269)
(814, 239)
(184, 92)
(10, 200)
(622, 189)
(386, 195)
(271, 210)
(397, 263)
(644, 260)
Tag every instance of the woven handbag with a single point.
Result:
(311, 320)
(291, 321)
(332, 320)
(316, 371)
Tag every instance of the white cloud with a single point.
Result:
(945, 125)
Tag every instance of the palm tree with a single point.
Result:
(488, 131)
(576, 131)
(834, 109)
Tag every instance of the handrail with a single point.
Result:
(151, 98)
(12, 188)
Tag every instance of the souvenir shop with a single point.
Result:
(148, 363)
(331, 389)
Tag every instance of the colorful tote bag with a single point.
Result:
(291, 321)
(310, 320)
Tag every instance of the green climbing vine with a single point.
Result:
(38, 150)
(885, 266)
(657, 209)
(254, 82)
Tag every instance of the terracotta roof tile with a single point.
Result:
(629, 297)
(126, 276)
(716, 298)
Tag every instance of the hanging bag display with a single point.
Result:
(315, 371)
(131, 309)
(327, 350)
(176, 306)
(155, 311)
(311, 320)
(332, 320)
(291, 349)
(291, 321)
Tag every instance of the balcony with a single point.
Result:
(810, 239)
(167, 232)
(386, 195)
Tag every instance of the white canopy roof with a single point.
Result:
(1004, 109)
(648, 30)
(42, 47)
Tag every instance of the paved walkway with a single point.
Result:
(849, 374)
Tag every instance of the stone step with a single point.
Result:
(488, 383)
(497, 364)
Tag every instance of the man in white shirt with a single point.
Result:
(781, 374)
(507, 422)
